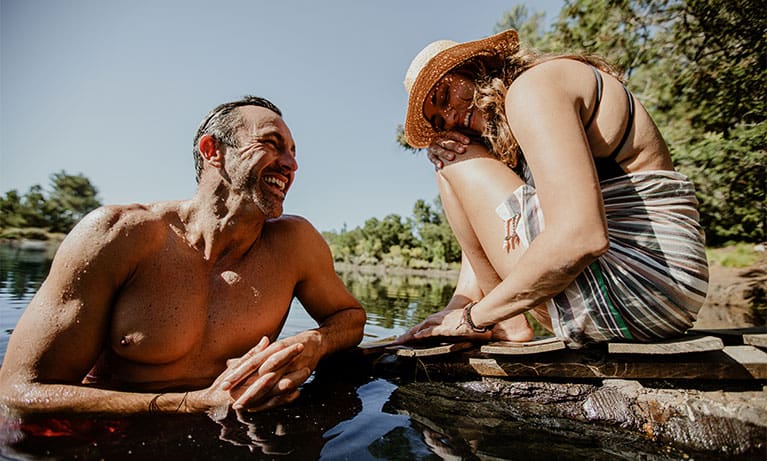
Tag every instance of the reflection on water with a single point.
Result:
(21, 273)
(398, 302)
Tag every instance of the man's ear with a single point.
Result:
(209, 150)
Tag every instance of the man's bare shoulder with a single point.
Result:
(113, 224)
(295, 231)
(291, 223)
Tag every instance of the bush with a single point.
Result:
(730, 177)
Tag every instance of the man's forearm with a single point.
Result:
(27, 399)
(342, 330)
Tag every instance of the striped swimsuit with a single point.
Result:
(653, 279)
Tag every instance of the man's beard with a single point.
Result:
(270, 205)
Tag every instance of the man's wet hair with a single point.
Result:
(222, 123)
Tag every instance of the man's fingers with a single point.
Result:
(257, 390)
(292, 380)
(250, 363)
(276, 401)
(263, 344)
(271, 383)
(281, 358)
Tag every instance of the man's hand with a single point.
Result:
(446, 146)
(265, 377)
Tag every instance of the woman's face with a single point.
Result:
(448, 105)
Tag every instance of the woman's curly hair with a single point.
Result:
(493, 75)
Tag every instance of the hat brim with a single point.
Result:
(418, 131)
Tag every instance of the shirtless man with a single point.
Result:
(176, 306)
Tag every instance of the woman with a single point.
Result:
(562, 194)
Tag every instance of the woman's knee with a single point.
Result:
(477, 170)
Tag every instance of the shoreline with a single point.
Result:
(383, 270)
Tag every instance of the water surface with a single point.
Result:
(344, 411)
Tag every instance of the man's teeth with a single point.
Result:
(466, 119)
(272, 180)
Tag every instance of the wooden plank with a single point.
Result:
(377, 346)
(752, 359)
(730, 336)
(551, 343)
(440, 349)
(758, 340)
(568, 364)
(685, 345)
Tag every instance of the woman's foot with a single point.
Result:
(516, 329)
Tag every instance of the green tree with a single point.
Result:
(71, 198)
(35, 208)
(530, 27)
(722, 73)
(436, 236)
(11, 210)
(730, 173)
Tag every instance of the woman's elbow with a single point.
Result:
(585, 246)
(597, 245)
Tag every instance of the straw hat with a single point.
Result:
(431, 64)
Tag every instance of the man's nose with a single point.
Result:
(288, 161)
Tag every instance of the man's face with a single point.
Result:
(264, 165)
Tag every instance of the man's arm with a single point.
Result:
(340, 317)
(63, 331)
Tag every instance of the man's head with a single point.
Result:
(222, 123)
(249, 146)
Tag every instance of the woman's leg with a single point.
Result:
(483, 182)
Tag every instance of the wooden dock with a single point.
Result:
(701, 355)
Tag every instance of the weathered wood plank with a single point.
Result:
(730, 336)
(752, 359)
(548, 344)
(685, 345)
(441, 349)
(715, 365)
(758, 340)
(377, 346)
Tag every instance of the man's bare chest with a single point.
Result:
(170, 310)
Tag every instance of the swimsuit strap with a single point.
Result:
(629, 124)
(597, 100)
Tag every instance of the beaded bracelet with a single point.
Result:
(467, 319)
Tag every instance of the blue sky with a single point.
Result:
(115, 90)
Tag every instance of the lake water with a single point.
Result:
(344, 412)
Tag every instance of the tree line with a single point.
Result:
(421, 241)
(39, 212)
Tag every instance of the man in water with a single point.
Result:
(176, 306)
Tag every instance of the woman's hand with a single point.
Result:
(448, 322)
(446, 146)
